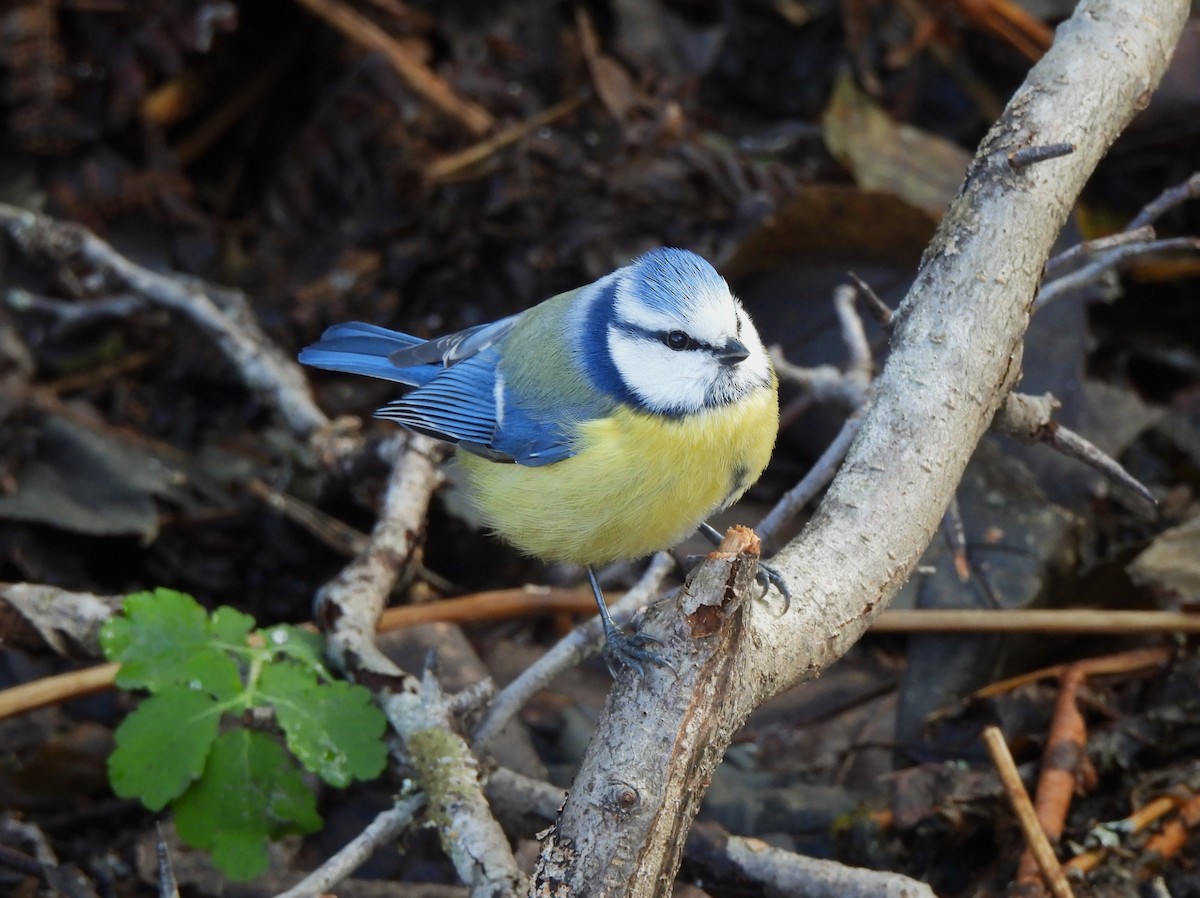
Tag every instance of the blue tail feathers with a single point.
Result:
(359, 348)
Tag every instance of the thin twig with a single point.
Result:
(1035, 620)
(407, 65)
(59, 688)
(861, 364)
(822, 383)
(1119, 663)
(580, 643)
(1018, 799)
(1064, 767)
(1106, 262)
(1168, 199)
(69, 314)
(447, 166)
(1092, 248)
(817, 478)
(497, 604)
(349, 606)
(783, 872)
(1170, 840)
(337, 535)
(221, 313)
(385, 828)
(851, 388)
(1071, 444)
(1140, 820)
(1009, 21)
(1028, 418)
(879, 310)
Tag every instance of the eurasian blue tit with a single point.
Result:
(605, 423)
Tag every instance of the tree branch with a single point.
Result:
(955, 356)
(221, 313)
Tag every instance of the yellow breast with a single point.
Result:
(638, 483)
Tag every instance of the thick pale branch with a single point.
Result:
(956, 348)
(956, 352)
(349, 606)
(383, 830)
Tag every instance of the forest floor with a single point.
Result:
(431, 168)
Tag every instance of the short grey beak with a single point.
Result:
(732, 352)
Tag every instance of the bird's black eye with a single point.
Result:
(678, 340)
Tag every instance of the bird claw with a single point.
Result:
(767, 576)
(622, 650)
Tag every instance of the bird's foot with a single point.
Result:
(767, 576)
(623, 650)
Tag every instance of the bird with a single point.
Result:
(605, 423)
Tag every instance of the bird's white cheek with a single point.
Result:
(660, 378)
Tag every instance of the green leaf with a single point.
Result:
(164, 639)
(250, 792)
(302, 646)
(335, 729)
(162, 746)
(156, 631)
(230, 626)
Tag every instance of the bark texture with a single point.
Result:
(955, 355)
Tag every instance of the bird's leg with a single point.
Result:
(620, 649)
(767, 575)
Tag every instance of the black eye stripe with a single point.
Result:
(662, 337)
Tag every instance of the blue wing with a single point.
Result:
(457, 398)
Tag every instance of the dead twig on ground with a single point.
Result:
(1169, 841)
(1106, 262)
(448, 167)
(348, 610)
(416, 74)
(56, 689)
(383, 830)
(1035, 620)
(1065, 766)
(1035, 838)
(1140, 820)
(1119, 663)
(221, 313)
